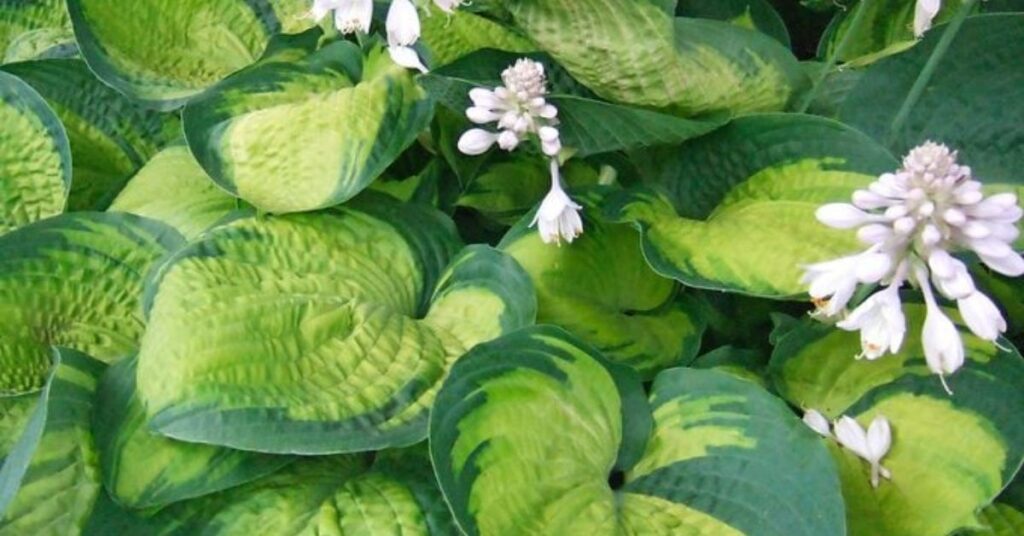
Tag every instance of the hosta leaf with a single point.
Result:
(951, 455)
(15, 412)
(73, 280)
(644, 56)
(1000, 520)
(981, 72)
(749, 191)
(887, 27)
(350, 119)
(25, 25)
(450, 37)
(172, 188)
(142, 469)
(325, 495)
(163, 52)
(319, 333)
(35, 162)
(50, 479)
(528, 429)
(751, 14)
(111, 137)
(601, 290)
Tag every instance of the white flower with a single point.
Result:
(403, 29)
(350, 16)
(477, 141)
(519, 108)
(872, 445)
(448, 6)
(817, 422)
(924, 13)
(880, 321)
(558, 217)
(913, 221)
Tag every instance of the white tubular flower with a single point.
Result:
(477, 141)
(350, 16)
(817, 422)
(881, 323)
(558, 217)
(872, 445)
(924, 13)
(519, 108)
(403, 29)
(321, 8)
(914, 220)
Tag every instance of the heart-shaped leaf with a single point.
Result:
(350, 118)
(950, 455)
(75, 281)
(322, 332)
(537, 433)
(734, 210)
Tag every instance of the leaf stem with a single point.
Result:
(833, 57)
(900, 120)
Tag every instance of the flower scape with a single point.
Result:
(511, 268)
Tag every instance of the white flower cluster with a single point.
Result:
(520, 109)
(403, 23)
(912, 221)
(871, 445)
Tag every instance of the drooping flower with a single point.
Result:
(448, 6)
(518, 107)
(924, 13)
(817, 422)
(403, 29)
(871, 445)
(913, 221)
(350, 16)
(558, 217)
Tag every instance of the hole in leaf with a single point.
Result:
(616, 479)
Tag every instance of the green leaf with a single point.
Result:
(539, 416)
(643, 56)
(15, 412)
(939, 479)
(291, 136)
(320, 333)
(1000, 520)
(981, 72)
(163, 52)
(324, 495)
(75, 281)
(111, 137)
(600, 289)
(50, 479)
(751, 14)
(35, 174)
(887, 28)
(35, 21)
(142, 469)
(750, 189)
(448, 37)
(172, 188)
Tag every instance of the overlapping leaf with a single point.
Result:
(642, 55)
(528, 429)
(163, 52)
(734, 210)
(319, 333)
(34, 29)
(600, 289)
(111, 136)
(50, 479)
(76, 281)
(295, 135)
(35, 158)
(951, 455)
(172, 188)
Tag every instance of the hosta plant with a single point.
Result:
(503, 268)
